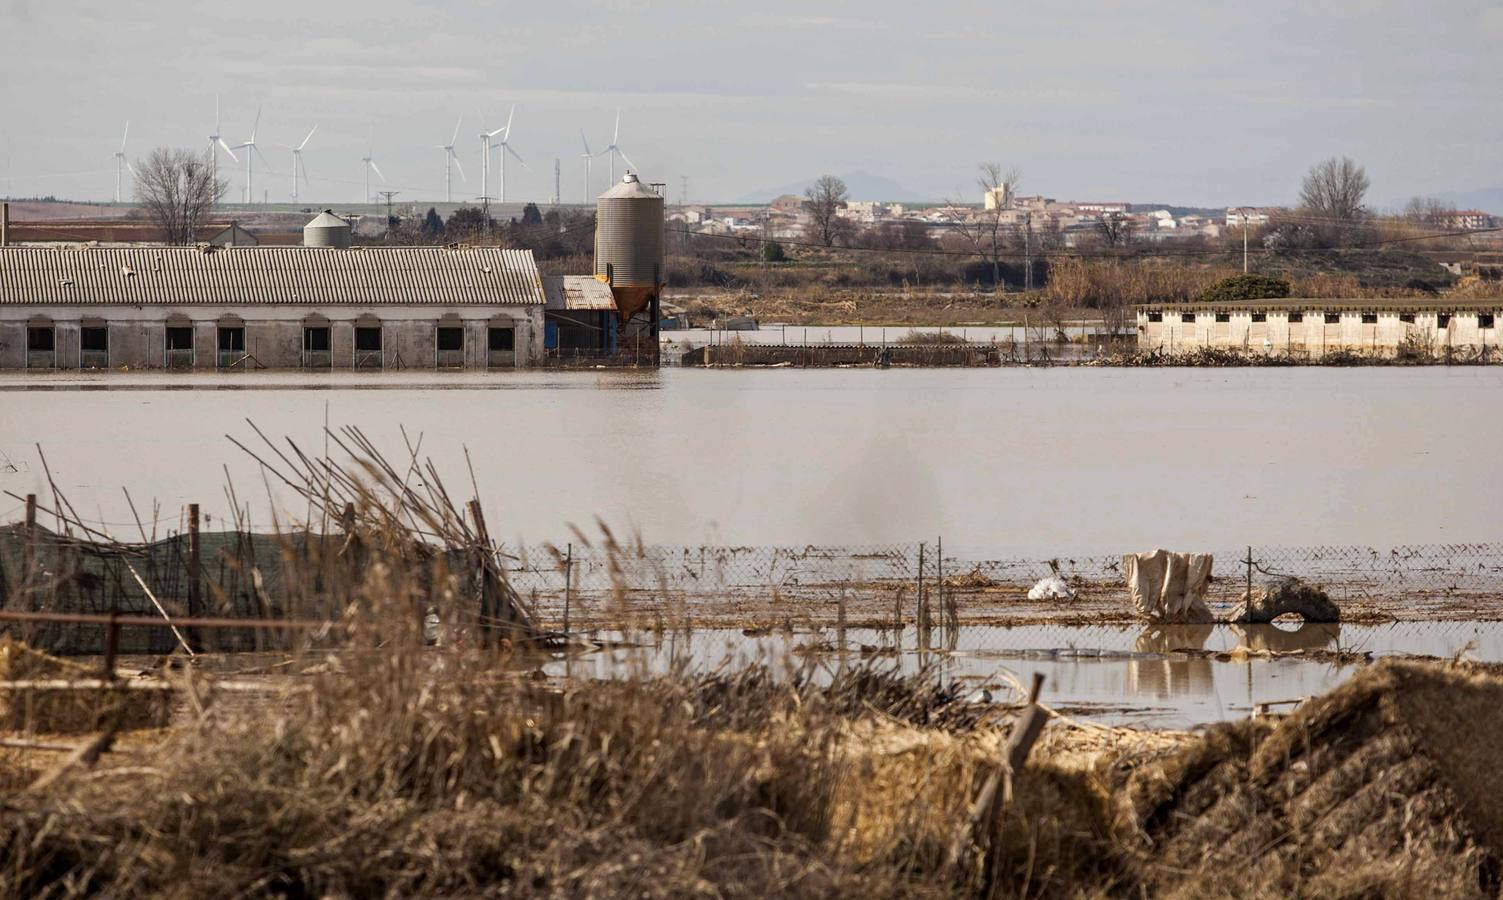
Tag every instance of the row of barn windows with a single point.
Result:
(1442, 320)
(96, 338)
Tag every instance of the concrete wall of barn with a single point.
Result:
(274, 335)
(1314, 336)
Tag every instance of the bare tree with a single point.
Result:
(823, 201)
(178, 189)
(1116, 229)
(984, 229)
(1429, 211)
(1334, 189)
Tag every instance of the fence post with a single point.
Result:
(195, 568)
(487, 611)
(918, 609)
(568, 585)
(939, 582)
(1249, 562)
(28, 565)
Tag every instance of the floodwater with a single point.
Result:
(994, 461)
(1159, 677)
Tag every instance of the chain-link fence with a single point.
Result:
(1421, 579)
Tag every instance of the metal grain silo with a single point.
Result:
(629, 244)
(327, 230)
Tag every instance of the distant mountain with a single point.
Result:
(860, 185)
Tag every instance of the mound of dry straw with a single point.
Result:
(56, 710)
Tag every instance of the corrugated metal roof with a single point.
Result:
(577, 292)
(371, 276)
(1304, 304)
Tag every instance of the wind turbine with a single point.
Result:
(588, 158)
(297, 162)
(370, 166)
(615, 150)
(485, 159)
(252, 151)
(451, 162)
(216, 143)
(122, 162)
(505, 146)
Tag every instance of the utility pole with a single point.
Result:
(1028, 252)
(683, 191)
(558, 191)
(1244, 240)
(485, 214)
(388, 195)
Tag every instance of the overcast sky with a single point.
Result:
(1158, 100)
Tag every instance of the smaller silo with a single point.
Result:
(327, 230)
(629, 244)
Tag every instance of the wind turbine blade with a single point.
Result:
(228, 150)
(616, 135)
(456, 130)
(256, 125)
(216, 114)
(308, 138)
(629, 163)
(132, 168)
(257, 150)
(124, 136)
(507, 148)
(458, 166)
(585, 142)
(509, 118)
(377, 169)
(491, 134)
(303, 167)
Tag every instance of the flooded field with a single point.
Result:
(1176, 676)
(1029, 461)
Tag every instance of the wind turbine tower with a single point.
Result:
(297, 163)
(251, 151)
(588, 157)
(370, 166)
(614, 150)
(451, 162)
(505, 147)
(216, 143)
(122, 163)
(486, 137)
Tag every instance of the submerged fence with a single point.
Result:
(254, 575)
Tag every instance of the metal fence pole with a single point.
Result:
(1249, 573)
(568, 584)
(195, 569)
(919, 606)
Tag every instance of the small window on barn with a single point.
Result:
(316, 339)
(1155, 317)
(1223, 317)
(1333, 318)
(1260, 317)
(1406, 318)
(368, 339)
(1187, 317)
(1484, 320)
(41, 339)
(450, 338)
(502, 339)
(1369, 318)
(1443, 320)
(180, 337)
(232, 340)
(94, 338)
(1296, 317)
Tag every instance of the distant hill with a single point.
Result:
(860, 185)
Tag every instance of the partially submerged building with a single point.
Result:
(1314, 328)
(258, 307)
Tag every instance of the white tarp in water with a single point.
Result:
(1169, 587)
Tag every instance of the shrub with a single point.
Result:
(1246, 287)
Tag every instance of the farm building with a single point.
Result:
(257, 307)
(1313, 328)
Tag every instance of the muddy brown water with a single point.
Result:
(1150, 676)
(998, 462)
